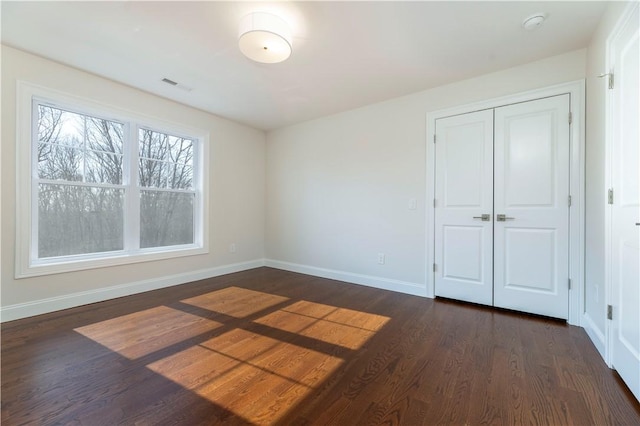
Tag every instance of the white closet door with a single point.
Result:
(625, 211)
(464, 192)
(531, 246)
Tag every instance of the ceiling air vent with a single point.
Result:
(176, 84)
(171, 82)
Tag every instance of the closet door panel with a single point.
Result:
(464, 192)
(531, 264)
(520, 271)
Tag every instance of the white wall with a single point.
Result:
(596, 197)
(338, 188)
(237, 193)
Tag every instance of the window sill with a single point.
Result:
(115, 259)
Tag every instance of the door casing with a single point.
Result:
(611, 182)
(576, 90)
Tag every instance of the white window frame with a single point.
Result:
(27, 263)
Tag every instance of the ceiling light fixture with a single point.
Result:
(534, 21)
(265, 38)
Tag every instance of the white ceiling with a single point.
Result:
(345, 54)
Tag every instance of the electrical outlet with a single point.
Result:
(413, 204)
(233, 248)
(380, 258)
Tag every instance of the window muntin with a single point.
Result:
(84, 204)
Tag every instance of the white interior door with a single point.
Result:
(531, 246)
(625, 211)
(464, 193)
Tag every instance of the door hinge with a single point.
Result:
(610, 196)
(569, 282)
(569, 200)
(434, 138)
(609, 312)
(570, 118)
(434, 267)
(434, 202)
(609, 76)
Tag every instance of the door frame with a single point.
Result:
(608, 177)
(576, 90)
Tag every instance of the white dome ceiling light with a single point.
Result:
(534, 21)
(265, 38)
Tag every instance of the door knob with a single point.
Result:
(484, 217)
(503, 218)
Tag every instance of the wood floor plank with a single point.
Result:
(272, 347)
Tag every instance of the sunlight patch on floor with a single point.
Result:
(142, 333)
(235, 301)
(253, 376)
(338, 326)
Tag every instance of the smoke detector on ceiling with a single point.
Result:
(534, 21)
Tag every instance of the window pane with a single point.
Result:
(61, 127)
(180, 150)
(104, 168)
(180, 176)
(165, 161)
(161, 146)
(161, 174)
(104, 135)
(153, 173)
(59, 162)
(153, 144)
(78, 220)
(166, 218)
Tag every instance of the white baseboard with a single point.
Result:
(52, 304)
(350, 277)
(595, 334)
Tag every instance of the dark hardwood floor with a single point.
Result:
(273, 347)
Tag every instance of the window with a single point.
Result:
(105, 188)
(79, 186)
(165, 175)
